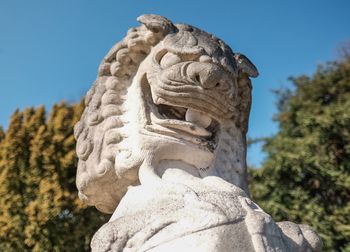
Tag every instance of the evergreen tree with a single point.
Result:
(306, 176)
(34, 119)
(59, 221)
(40, 209)
(12, 167)
(39, 142)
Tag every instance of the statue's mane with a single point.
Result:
(105, 110)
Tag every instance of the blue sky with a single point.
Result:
(50, 50)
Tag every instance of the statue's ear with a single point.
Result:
(245, 65)
(157, 24)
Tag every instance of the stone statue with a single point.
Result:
(162, 146)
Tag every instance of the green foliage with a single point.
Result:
(40, 209)
(306, 176)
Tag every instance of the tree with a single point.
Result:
(40, 209)
(59, 221)
(12, 168)
(306, 176)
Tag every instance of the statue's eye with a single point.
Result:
(169, 59)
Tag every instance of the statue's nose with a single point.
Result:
(207, 75)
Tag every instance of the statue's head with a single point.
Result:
(165, 92)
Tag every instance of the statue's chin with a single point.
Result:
(170, 169)
(164, 150)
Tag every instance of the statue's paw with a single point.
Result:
(109, 238)
(300, 237)
(312, 238)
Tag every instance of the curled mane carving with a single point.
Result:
(98, 180)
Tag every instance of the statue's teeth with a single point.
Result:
(197, 118)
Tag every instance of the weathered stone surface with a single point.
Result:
(162, 146)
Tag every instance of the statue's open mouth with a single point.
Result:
(183, 123)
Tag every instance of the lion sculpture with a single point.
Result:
(162, 147)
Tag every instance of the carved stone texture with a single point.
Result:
(162, 146)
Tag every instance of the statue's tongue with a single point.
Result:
(197, 118)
